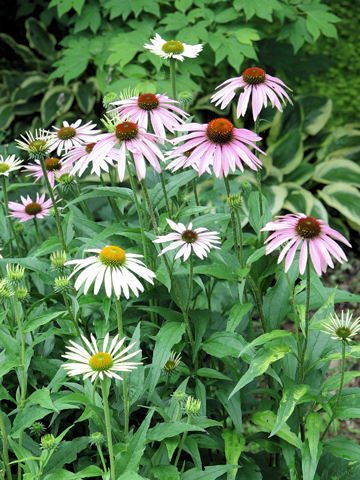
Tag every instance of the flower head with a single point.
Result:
(29, 209)
(199, 240)
(254, 82)
(35, 144)
(94, 361)
(217, 144)
(192, 406)
(15, 272)
(173, 48)
(343, 328)
(48, 441)
(131, 138)
(312, 235)
(68, 136)
(9, 164)
(172, 363)
(113, 267)
(159, 109)
(79, 159)
(54, 167)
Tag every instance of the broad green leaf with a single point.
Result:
(166, 430)
(344, 198)
(50, 107)
(298, 199)
(39, 38)
(222, 344)
(33, 323)
(24, 52)
(166, 472)
(236, 315)
(319, 20)
(290, 397)
(314, 425)
(30, 87)
(267, 419)
(264, 338)
(22, 452)
(61, 474)
(85, 94)
(221, 271)
(333, 382)
(254, 211)
(276, 302)
(26, 417)
(169, 335)
(317, 111)
(261, 362)
(343, 447)
(233, 448)
(211, 373)
(6, 115)
(209, 473)
(66, 452)
(338, 170)
(42, 397)
(309, 461)
(287, 153)
(117, 192)
(247, 35)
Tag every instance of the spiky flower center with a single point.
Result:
(101, 361)
(148, 101)
(89, 147)
(173, 46)
(189, 236)
(37, 145)
(220, 130)
(33, 208)
(4, 167)
(308, 227)
(126, 131)
(65, 133)
(254, 75)
(52, 164)
(343, 332)
(112, 256)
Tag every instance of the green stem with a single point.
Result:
(5, 450)
(108, 430)
(167, 203)
(340, 389)
(241, 253)
(296, 315)
(233, 221)
(173, 77)
(101, 457)
(119, 317)
(52, 196)
(258, 178)
(37, 233)
(195, 193)
(191, 270)
(22, 366)
(182, 441)
(151, 211)
(73, 318)
(94, 390)
(307, 321)
(112, 204)
(83, 204)
(8, 219)
(258, 301)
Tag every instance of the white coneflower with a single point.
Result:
(114, 268)
(35, 144)
(92, 362)
(199, 240)
(9, 164)
(173, 48)
(343, 328)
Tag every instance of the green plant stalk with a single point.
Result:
(73, 318)
(5, 451)
(332, 418)
(181, 444)
(108, 430)
(101, 455)
(173, 77)
(43, 463)
(241, 253)
(258, 178)
(191, 271)
(233, 221)
(307, 305)
(296, 315)
(112, 204)
(83, 204)
(195, 193)
(125, 394)
(167, 203)
(8, 219)
(52, 196)
(37, 233)
(182, 306)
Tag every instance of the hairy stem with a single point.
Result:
(108, 430)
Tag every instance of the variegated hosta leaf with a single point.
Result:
(287, 153)
(317, 111)
(298, 199)
(343, 142)
(338, 170)
(344, 198)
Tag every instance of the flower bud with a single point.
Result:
(97, 438)
(62, 284)
(173, 362)
(5, 291)
(22, 293)
(179, 396)
(234, 201)
(192, 406)
(109, 98)
(37, 429)
(15, 272)
(185, 98)
(18, 227)
(58, 259)
(48, 441)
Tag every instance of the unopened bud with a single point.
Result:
(15, 272)
(234, 201)
(62, 284)
(172, 363)
(18, 227)
(97, 438)
(58, 259)
(192, 406)
(48, 441)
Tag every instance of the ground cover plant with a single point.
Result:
(163, 315)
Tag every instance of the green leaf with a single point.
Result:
(287, 153)
(221, 271)
(319, 20)
(166, 472)
(333, 382)
(247, 35)
(343, 447)
(66, 452)
(166, 430)
(61, 474)
(42, 397)
(89, 18)
(24, 52)
(233, 448)
(33, 323)
(211, 373)
(317, 111)
(30, 87)
(254, 211)
(85, 95)
(309, 462)
(117, 192)
(6, 115)
(209, 473)
(290, 398)
(338, 170)
(74, 60)
(50, 109)
(223, 344)
(264, 338)
(299, 199)
(259, 8)
(39, 38)
(312, 448)
(267, 419)
(237, 313)
(169, 335)
(26, 417)
(344, 198)
(261, 362)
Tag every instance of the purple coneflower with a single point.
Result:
(79, 159)
(131, 138)
(257, 83)
(54, 168)
(29, 209)
(218, 144)
(69, 136)
(160, 109)
(314, 237)
(199, 240)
